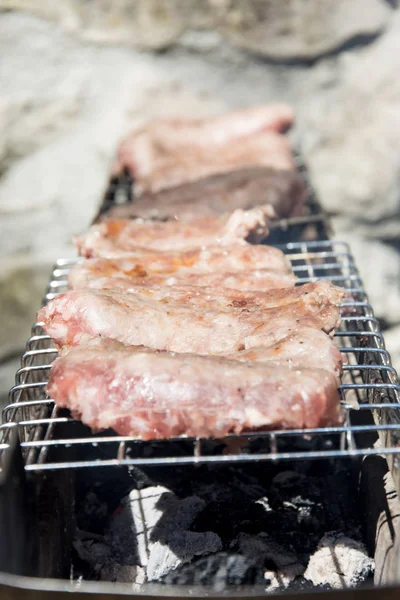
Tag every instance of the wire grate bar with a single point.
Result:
(222, 459)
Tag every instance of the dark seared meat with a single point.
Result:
(285, 191)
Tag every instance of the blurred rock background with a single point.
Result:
(76, 75)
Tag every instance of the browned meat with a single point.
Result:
(169, 152)
(259, 280)
(120, 237)
(76, 315)
(319, 294)
(305, 348)
(142, 263)
(147, 394)
(156, 168)
(284, 190)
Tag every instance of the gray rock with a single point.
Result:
(386, 230)
(290, 30)
(339, 562)
(283, 30)
(392, 342)
(22, 286)
(27, 124)
(150, 24)
(379, 267)
(348, 126)
(8, 369)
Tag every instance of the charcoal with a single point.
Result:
(218, 571)
(220, 526)
(152, 529)
(282, 565)
(263, 545)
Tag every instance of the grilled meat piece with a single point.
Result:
(74, 316)
(169, 152)
(259, 280)
(120, 237)
(213, 260)
(149, 395)
(305, 348)
(319, 293)
(156, 168)
(210, 197)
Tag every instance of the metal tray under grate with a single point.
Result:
(51, 439)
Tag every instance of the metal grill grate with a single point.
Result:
(51, 439)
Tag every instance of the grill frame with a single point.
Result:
(41, 425)
(13, 584)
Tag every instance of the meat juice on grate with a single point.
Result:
(218, 526)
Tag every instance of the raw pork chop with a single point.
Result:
(305, 348)
(169, 152)
(142, 262)
(261, 279)
(318, 293)
(74, 316)
(121, 236)
(147, 394)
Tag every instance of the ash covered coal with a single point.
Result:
(224, 526)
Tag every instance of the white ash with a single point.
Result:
(152, 529)
(339, 562)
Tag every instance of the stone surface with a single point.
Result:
(22, 286)
(7, 378)
(379, 267)
(283, 30)
(291, 30)
(392, 342)
(349, 131)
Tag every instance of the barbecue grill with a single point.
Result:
(43, 449)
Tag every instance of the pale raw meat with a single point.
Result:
(151, 395)
(120, 237)
(212, 196)
(74, 316)
(168, 152)
(237, 258)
